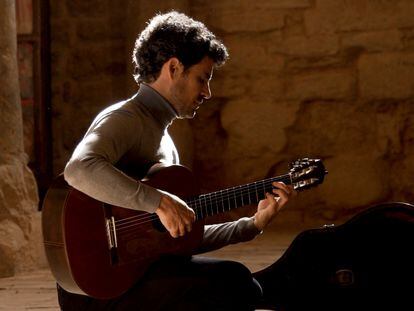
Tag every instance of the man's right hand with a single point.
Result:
(175, 215)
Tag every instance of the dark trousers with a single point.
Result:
(180, 284)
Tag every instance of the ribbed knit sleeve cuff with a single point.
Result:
(247, 228)
(150, 200)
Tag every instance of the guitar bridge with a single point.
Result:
(111, 233)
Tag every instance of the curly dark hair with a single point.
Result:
(174, 35)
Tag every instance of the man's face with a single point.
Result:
(191, 88)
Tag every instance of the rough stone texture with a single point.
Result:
(89, 64)
(374, 41)
(327, 79)
(396, 80)
(20, 240)
(327, 84)
(356, 15)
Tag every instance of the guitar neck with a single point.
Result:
(221, 201)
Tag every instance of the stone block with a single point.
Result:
(254, 20)
(281, 4)
(248, 4)
(61, 33)
(18, 194)
(100, 29)
(328, 128)
(373, 41)
(354, 15)
(401, 176)
(386, 76)
(227, 83)
(96, 60)
(408, 38)
(306, 46)
(327, 84)
(297, 64)
(12, 240)
(355, 180)
(88, 9)
(294, 24)
(266, 86)
(93, 93)
(57, 9)
(252, 53)
(256, 133)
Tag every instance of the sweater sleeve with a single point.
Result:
(219, 235)
(91, 168)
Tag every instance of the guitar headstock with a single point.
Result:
(305, 173)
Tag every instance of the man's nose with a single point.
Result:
(206, 92)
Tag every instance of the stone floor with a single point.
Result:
(36, 290)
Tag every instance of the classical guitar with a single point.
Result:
(101, 250)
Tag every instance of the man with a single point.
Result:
(174, 59)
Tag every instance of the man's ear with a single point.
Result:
(175, 67)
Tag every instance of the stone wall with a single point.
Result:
(88, 67)
(317, 78)
(20, 238)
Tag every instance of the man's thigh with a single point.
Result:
(177, 283)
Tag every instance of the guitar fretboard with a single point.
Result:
(221, 201)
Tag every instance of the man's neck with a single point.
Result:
(161, 87)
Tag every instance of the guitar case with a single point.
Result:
(367, 263)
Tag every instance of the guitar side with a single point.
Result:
(53, 235)
(77, 245)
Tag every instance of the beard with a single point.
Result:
(185, 108)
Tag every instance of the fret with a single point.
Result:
(257, 195)
(241, 191)
(193, 206)
(215, 202)
(228, 199)
(208, 196)
(201, 208)
(222, 200)
(235, 197)
(211, 204)
(205, 205)
(248, 192)
(264, 188)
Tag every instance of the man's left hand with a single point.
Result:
(269, 207)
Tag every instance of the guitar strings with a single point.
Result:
(218, 194)
(206, 208)
(214, 199)
(134, 229)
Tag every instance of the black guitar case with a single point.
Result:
(366, 263)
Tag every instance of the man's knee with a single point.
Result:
(235, 277)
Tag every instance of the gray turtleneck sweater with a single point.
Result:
(125, 140)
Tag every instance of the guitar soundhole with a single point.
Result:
(158, 225)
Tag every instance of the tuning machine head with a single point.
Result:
(305, 173)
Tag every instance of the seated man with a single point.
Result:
(174, 59)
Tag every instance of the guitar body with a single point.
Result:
(77, 244)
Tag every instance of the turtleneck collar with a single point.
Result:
(157, 105)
